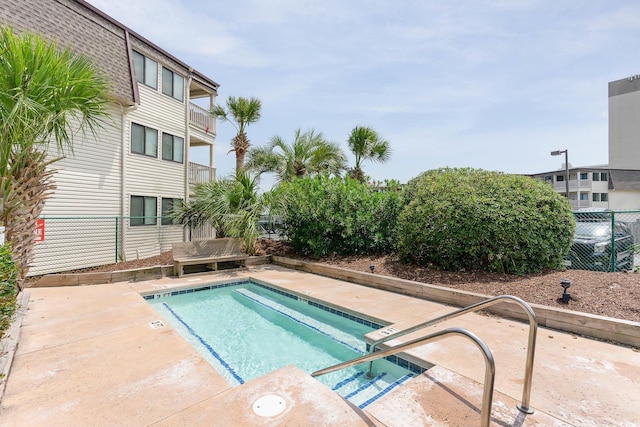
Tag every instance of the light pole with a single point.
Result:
(566, 168)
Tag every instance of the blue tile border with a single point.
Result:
(397, 360)
(215, 354)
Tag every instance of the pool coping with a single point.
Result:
(585, 324)
(404, 360)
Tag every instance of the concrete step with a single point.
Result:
(440, 397)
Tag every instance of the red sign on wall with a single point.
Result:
(39, 231)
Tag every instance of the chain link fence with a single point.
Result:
(605, 241)
(270, 227)
(73, 243)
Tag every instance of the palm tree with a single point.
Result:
(46, 96)
(309, 153)
(232, 206)
(366, 144)
(243, 111)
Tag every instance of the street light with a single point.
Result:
(566, 168)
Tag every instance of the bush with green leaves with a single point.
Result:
(470, 219)
(324, 216)
(8, 288)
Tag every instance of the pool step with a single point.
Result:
(356, 388)
(335, 334)
(362, 391)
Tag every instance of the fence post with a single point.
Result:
(613, 242)
(117, 219)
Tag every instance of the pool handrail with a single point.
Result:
(533, 330)
(489, 372)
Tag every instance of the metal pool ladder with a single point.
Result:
(489, 362)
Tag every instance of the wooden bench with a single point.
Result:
(208, 252)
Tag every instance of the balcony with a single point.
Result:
(203, 125)
(200, 173)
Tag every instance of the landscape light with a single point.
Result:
(565, 283)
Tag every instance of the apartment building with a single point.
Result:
(137, 166)
(615, 185)
(588, 186)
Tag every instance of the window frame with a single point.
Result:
(604, 197)
(174, 139)
(171, 91)
(145, 218)
(164, 217)
(584, 176)
(145, 143)
(559, 178)
(595, 176)
(145, 62)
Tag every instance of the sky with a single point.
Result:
(489, 84)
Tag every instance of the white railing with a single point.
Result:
(201, 118)
(200, 173)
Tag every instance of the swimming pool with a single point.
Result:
(247, 329)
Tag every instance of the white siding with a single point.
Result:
(88, 180)
(154, 177)
(88, 184)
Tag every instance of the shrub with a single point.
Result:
(8, 288)
(324, 216)
(472, 219)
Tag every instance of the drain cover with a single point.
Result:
(269, 405)
(156, 324)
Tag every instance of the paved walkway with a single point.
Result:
(88, 356)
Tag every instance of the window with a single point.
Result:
(172, 84)
(143, 210)
(548, 178)
(168, 205)
(595, 197)
(559, 178)
(603, 176)
(596, 176)
(146, 70)
(584, 176)
(144, 140)
(172, 147)
(604, 197)
(584, 196)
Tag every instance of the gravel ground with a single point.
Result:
(606, 294)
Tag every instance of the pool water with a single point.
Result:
(247, 330)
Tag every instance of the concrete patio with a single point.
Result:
(88, 355)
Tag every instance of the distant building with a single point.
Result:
(624, 142)
(137, 167)
(588, 186)
(615, 185)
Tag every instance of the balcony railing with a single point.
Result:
(201, 118)
(200, 173)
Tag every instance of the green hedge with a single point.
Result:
(324, 216)
(8, 288)
(470, 219)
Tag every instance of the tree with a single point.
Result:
(232, 206)
(471, 219)
(366, 144)
(240, 112)
(47, 95)
(309, 153)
